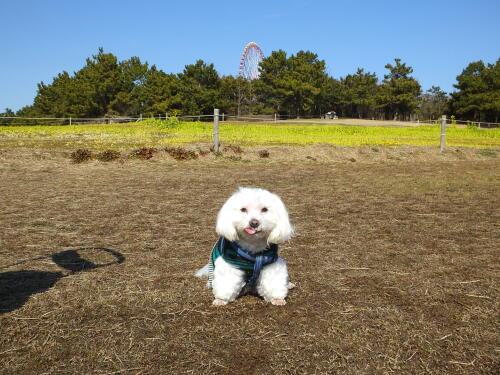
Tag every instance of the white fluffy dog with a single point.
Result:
(251, 224)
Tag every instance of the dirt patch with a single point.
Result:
(355, 122)
(325, 153)
(395, 261)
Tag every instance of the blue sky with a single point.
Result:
(39, 39)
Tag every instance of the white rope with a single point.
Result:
(221, 116)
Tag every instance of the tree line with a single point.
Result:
(295, 85)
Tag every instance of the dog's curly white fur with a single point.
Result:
(253, 218)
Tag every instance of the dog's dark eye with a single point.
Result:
(264, 209)
(243, 209)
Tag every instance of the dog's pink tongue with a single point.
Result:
(250, 230)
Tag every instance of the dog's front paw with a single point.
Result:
(219, 302)
(278, 302)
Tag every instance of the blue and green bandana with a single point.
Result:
(243, 260)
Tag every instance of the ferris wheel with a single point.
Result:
(249, 63)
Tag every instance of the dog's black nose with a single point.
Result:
(254, 223)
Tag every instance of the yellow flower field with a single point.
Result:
(155, 133)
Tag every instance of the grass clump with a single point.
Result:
(203, 152)
(233, 148)
(179, 153)
(263, 153)
(144, 153)
(81, 155)
(108, 155)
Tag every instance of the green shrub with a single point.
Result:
(171, 122)
(472, 125)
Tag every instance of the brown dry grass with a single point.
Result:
(395, 261)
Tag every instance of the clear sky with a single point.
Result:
(41, 38)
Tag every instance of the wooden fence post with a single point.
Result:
(443, 133)
(216, 130)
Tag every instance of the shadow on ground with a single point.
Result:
(16, 287)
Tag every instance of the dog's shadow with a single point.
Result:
(16, 287)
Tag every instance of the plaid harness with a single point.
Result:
(243, 260)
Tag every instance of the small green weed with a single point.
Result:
(488, 152)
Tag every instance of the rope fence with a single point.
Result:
(29, 121)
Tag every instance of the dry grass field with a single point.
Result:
(395, 260)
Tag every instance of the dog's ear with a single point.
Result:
(283, 230)
(225, 226)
